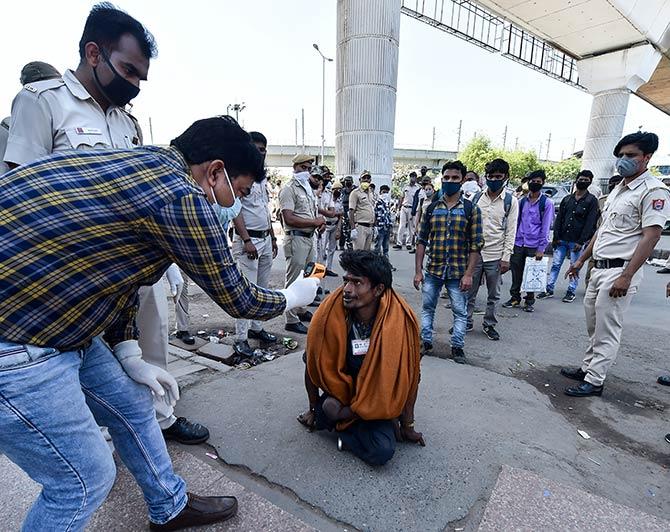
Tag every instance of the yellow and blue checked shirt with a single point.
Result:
(450, 237)
(80, 232)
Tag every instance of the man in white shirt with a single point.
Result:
(406, 228)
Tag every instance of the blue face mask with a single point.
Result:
(494, 185)
(450, 188)
(226, 214)
(626, 167)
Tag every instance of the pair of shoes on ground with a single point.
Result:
(516, 303)
(186, 432)
(569, 297)
(489, 331)
(584, 389)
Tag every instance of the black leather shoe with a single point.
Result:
(573, 373)
(427, 346)
(262, 335)
(585, 389)
(664, 380)
(331, 273)
(183, 431)
(305, 316)
(186, 337)
(298, 328)
(667, 438)
(663, 270)
(200, 511)
(243, 348)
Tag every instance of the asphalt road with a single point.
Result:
(505, 407)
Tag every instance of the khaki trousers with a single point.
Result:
(364, 238)
(257, 271)
(181, 306)
(152, 322)
(604, 321)
(298, 250)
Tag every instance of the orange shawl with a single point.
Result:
(390, 371)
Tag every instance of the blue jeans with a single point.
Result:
(50, 402)
(382, 244)
(560, 252)
(459, 304)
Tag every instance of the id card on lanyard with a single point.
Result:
(359, 346)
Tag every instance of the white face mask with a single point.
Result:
(302, 177)
(385, 196)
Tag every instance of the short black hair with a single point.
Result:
(221, 137)
(384, 187)
(585, 173)
(413, 174)
(538, 173)
(258, 138)
(647, 142)
(497, 166)
(106, 24)
(455, 165)
(364, 263)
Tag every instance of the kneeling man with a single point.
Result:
(363, 353)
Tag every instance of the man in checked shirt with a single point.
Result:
(79, 233)
(451, 229)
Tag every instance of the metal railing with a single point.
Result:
(473, 23)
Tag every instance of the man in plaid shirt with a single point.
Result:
(383, 221)
(79, 233)
(452, 231)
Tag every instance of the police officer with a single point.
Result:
(345, 233)
(83, 110)
(298, 204)
(634, 215)
(362, 213)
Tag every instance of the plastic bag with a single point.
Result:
(535, 275)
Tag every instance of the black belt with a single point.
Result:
(258, 234)
(603, 264)
(294, 232)
(331, 223)
(406, 206)
(363, 224)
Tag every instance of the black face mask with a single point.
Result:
(119, 91)
(582, 185)
(534, 187)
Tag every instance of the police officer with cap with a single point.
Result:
(362, 213)
(299, 210)
(84, 110)
(30, 73)
(634, 215)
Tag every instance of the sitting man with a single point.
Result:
(363, 352)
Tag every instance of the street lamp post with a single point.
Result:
(323, 97)
(237, 107)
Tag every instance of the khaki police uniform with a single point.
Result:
(298, 242)
(645, 202)
(57, 115)
(256, 215)
(406, 228)
(362, 205)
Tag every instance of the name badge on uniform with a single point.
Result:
(360, 347)
(87, 131)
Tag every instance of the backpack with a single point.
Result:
(507, 205)
(524, 200)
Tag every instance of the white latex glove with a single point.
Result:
(300, 292)
(161, 383)
(354, 234)
(175, 280)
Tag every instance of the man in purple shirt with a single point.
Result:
(536, 212)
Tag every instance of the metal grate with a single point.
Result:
(471, 22)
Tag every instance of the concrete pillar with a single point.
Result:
(367, 76)
(611, 78)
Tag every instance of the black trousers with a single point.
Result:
(371, 441)
(517, 263)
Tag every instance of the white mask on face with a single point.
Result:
(302, 178)
(226, 213)
(386, 197)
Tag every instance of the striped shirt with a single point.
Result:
(450, 237)
(80, 232)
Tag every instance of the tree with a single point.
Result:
(480, 151)
(565, 170)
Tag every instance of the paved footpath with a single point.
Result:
(503, 451)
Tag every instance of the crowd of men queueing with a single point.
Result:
(92, 220)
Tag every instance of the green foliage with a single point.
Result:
(565, 170)
(480, 151)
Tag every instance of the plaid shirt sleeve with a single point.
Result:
(124, 327)
(190, 234)
(476, 230)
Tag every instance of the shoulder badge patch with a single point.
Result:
(658, 204)
(30, 88)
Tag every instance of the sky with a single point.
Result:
(212, 54)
